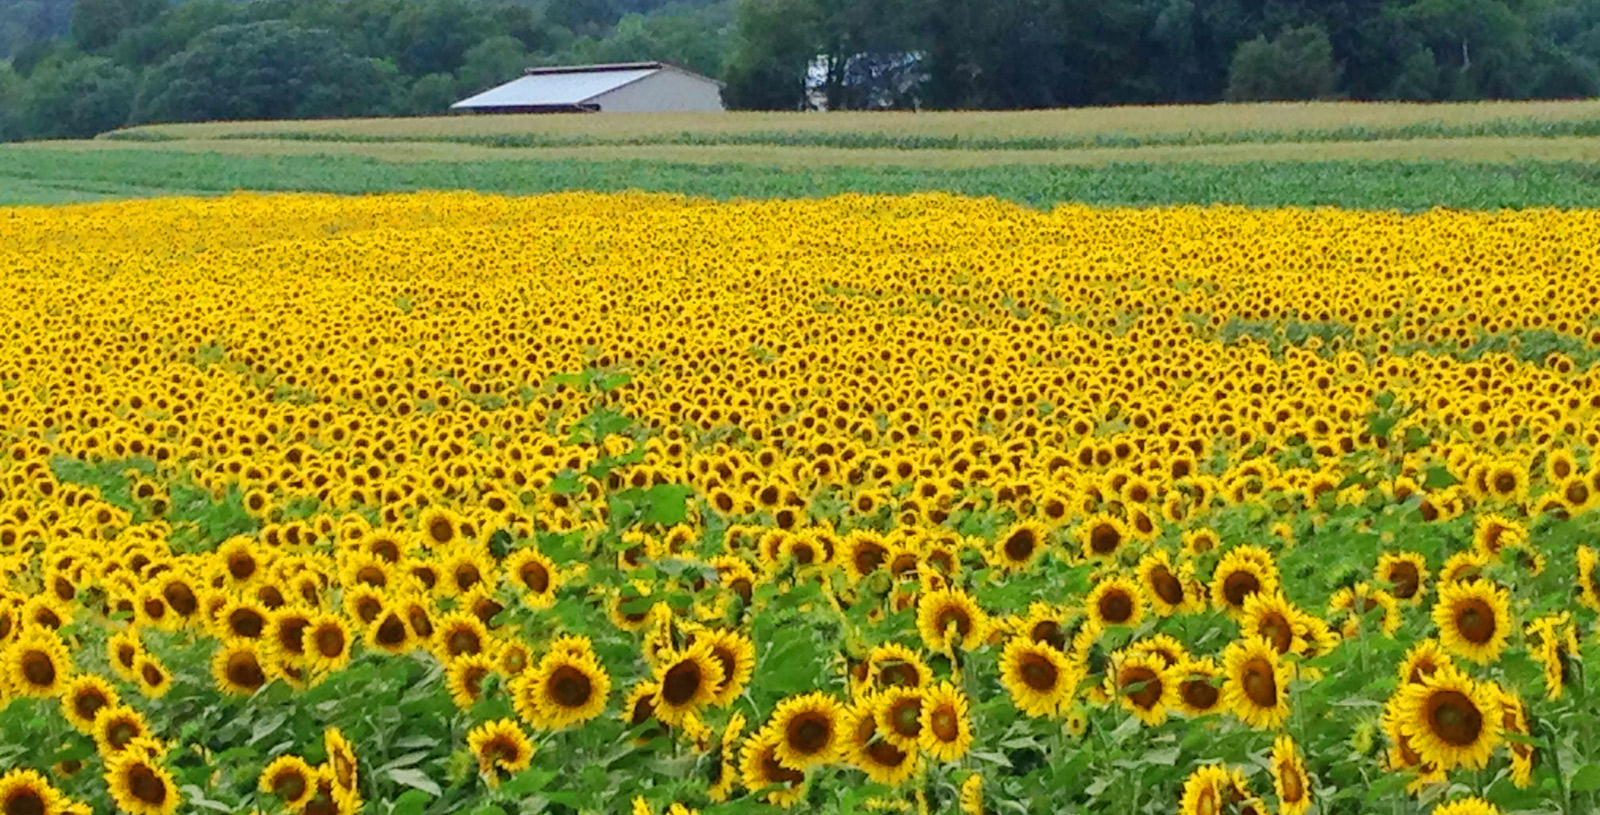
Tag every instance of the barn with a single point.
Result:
(629, 87)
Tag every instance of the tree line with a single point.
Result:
(73, 68)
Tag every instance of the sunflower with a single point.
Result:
(1450, 720)
(1020, 546)
(1198, 682)
(289, 778)
(899, 715)
(459, 634)
(720, 786)
(326, 643)
(970, 799)
(946, 723)
(341, 759)
(950, 618)
(389, 633)
(1167, 587)
(439, 527)
(1552, 640)
(809, 727)
(139, 785)
(501, 747)
(1271, 617)
(689, 680)
(328, 799)
(1467, 806)
(892, 665)
(153, 679)
(1039, 678)
(239, 667)
(536, 575)
(1115, 601)
(1358, 601)
(286, 630)
(1474, 620)
(761, 769)
(1206, 791)
(1424, 658)
(124, 649)
(1289, 779)
(37, 663)
(115, 727)
(1243, 571)
(241, 619)
(736, 654)
(1514, 720)
(1101, 536)
(1200, 540)
(1257, 683)
(1507, 480)
(465, 677)
(26, 792)
(1588, 579)
(1406, 574)
(1143, 686)
(84, 696)
(865, 746)
(565, 689)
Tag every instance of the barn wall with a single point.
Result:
(661, 91)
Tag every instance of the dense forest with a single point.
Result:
(72, 68)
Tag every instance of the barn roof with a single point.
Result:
(564, 86)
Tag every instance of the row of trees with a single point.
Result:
(79, 67)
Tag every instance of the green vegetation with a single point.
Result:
(41, 176)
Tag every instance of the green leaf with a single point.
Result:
(410, 802)
(416, 779)
(1585, 778)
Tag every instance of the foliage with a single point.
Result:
(76, 97)
(1296, 65)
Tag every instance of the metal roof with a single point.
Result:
(557, 87)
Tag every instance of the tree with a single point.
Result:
(491, 62)
(433, 36)
(772, 46)
(13, 98)
(97, 24)
(432, 95)
(1297, 64)
(265, 70)
(76, 97)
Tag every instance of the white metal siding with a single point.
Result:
(662, 91)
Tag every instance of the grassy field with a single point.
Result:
(1405, 156)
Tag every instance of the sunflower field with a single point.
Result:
(450, 503)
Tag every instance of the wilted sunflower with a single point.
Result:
(950, 618)
(1143, 686)
(501, 748)
(809, 727)
(26, 792)
(115, 727)
(1289, 779)
(761, 769)
(1474, 620)
(689, 680)
(84, 697)
(139, 785)
(946, 723)
(1450, 720)
(289, 778)
(881, 759)
(1039, 678)
(37, 663)
(238, 667)
(1113, 601)
(1257, 684)
(564, 690)
(1242, 572)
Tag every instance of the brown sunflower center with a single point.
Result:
(1199, 694)
(441, 531)
(1166, 586)
(152, 675)
(118, 734)
(146, 785)
(244, 671)
(289, 785)
(1277, 631)
(1294, 788)
(681, 683)
(1406, 580)
(1238, 586)
(954, 615)
(472, 680)
(536, 577)
(291, 635)
(776, 772)
(241, 565)
(570, 687)
(906, 717)
(463, 641)
(1116, 606)
(1475, 621)
(899, 674)
(1019, 547)
(88, 702)
(1454, 718)
(25, 801)
(1505, 483)
(247, 622)
(1104, 539)
(1142, 685)
(809, 733)
(391, 632)
(502, 749)
(330, 641)
(1259, 682)
(946, 725)
(38, 669)
(885, 754)
(1038, 673)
